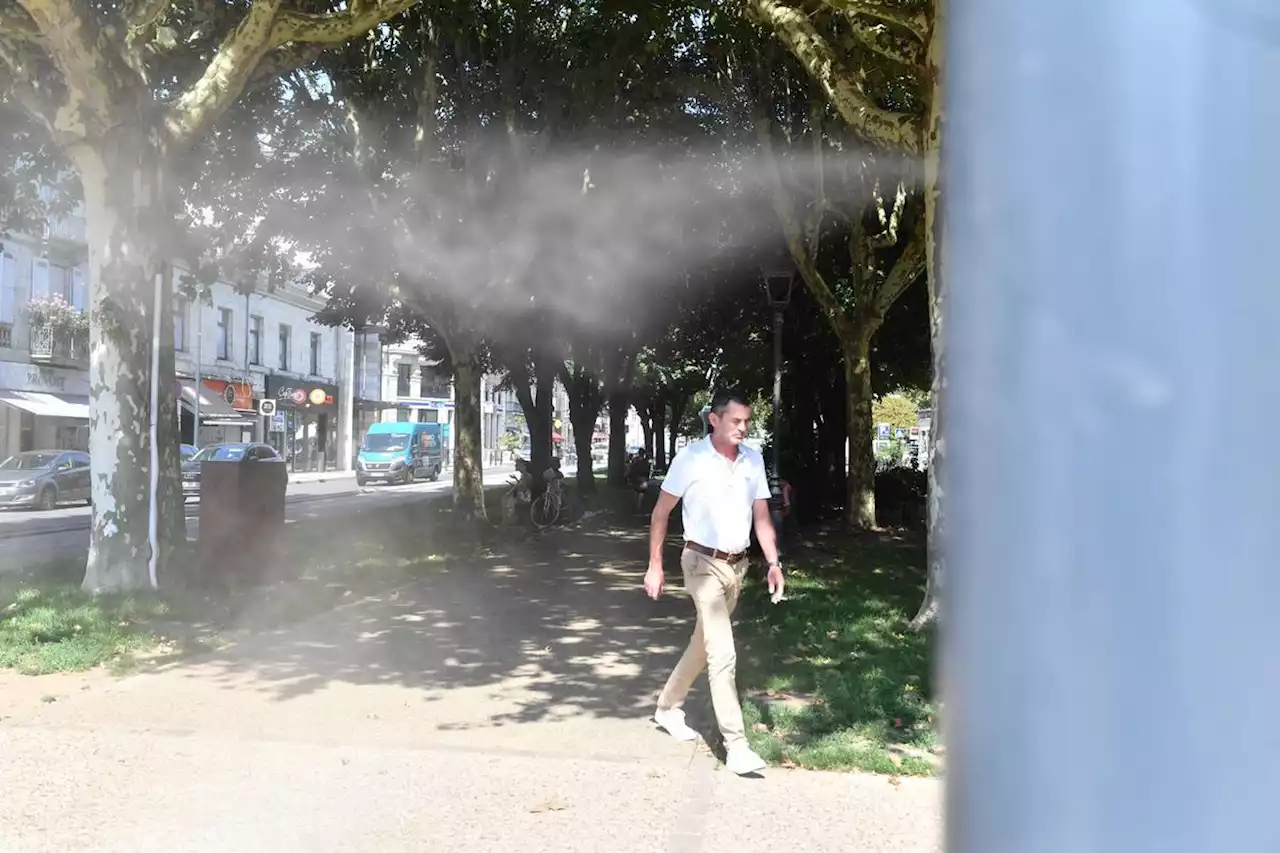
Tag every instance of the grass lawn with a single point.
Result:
(48, 625)
(833, 678)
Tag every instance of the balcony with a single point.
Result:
(57, 346)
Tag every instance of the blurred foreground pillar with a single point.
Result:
(1111, 663)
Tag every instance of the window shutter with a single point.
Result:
(78, 294)
(8, 288)
(40, 279)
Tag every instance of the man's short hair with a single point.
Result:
(721, 400)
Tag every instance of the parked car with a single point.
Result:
(44, 478)
(186, 451)
(247, 452)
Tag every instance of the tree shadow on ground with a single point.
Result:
(556, 624)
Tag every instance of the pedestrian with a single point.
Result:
(724, 488)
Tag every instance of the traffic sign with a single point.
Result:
(266, 408)
(882, 430)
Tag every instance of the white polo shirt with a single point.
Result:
(718, 495)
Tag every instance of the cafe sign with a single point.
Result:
(301, 395)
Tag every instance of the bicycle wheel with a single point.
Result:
(545, 511)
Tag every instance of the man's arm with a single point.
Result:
(673, 488)
(658, 525)
(765, 534)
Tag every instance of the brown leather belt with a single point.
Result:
(729, 557)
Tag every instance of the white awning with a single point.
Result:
(43, 404)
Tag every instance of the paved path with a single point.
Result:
(492, 706)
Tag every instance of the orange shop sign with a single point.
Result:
(239, 395)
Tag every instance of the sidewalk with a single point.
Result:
(496, 705)
(324, 476)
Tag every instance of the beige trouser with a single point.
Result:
(714, 586)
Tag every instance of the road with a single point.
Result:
(29, 538)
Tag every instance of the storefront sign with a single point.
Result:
(17, 376)
(239, 395)
(296, 394)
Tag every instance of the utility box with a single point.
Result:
(241, 519)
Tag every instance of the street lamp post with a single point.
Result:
(778, 282)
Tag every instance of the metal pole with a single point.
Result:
(195, 432)
(775, 485)
(153, 498)
(1109, 668)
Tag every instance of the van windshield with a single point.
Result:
(385, 442)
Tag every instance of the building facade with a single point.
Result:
(415, 389)
(44, 340)
(231, 351)
(240, 349)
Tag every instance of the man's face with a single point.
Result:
(731, 426)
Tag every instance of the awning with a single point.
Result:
(43, 404)
(214, 410)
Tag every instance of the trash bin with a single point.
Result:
(241, 519)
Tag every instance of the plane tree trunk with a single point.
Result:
(128, 211)
(468, 464)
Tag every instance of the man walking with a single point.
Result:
(725, 488)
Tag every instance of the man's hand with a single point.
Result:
(776, 583)
(654, 582)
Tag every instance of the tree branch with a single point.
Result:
(16, 24)
(802, 252)
(891, 130)
(335, 27)
(141, 14)
(20, 61)
(889, 221)
(264, 28)
(914, 22)
(284, 61)
(882, 41)
(908, 269)
(89, 62)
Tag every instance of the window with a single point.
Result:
(224, 333)
(404, 371)
(51, 280)
(180, 311)
(286, 338)
(402, 414)
(315, 353)
(8, 288)
(433, 384)
(255, 340)
(428, 416)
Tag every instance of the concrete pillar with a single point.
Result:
(1110, 676)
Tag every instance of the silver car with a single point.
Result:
(44, 478)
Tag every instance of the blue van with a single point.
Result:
(400, 452)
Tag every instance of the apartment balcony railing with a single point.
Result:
(59, 346)
(6, 335)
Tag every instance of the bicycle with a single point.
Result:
(548, 506)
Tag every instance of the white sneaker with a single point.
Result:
(671, 720)
(742, 761)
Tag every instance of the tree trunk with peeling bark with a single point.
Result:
(128, 212)
(860, 496)
(468, 465)
(935, 255)
(619, 403)
(90, 77)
